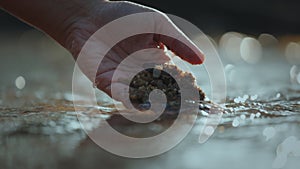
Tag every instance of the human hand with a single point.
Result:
(106, 12)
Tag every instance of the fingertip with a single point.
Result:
(183, 48)
(190, 53)
(198, 58)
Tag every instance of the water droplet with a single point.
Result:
(20, 82)
(278, 95)
(235, 122)
(243, 117)
(230, 72)
(258, 115)
(269, 132)
(228, 68)
(241, 99)
(245, 97)
(253, 97)
(236, 100)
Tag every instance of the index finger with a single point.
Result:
(179, 43)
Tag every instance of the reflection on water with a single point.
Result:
(259, 129)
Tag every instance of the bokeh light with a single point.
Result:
(267, 40)
(20, 82)
(295, 74)
(251, 50)
(230, 46)
(292, 53)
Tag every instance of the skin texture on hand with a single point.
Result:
(72, 22)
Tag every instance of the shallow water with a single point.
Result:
(39, 127)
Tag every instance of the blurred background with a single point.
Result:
(216, 17)
(259, 45)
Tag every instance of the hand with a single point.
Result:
(72, 22)
(106, 12)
